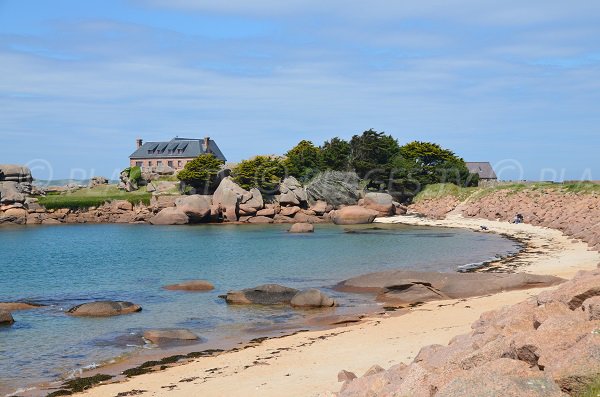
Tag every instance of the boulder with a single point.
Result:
(268, 294)
(170, 216)
(400, 209)
(383, 203)
(353, 215)
(304, 218)
(270, 212)
(282, 219)
(260, 219)
(334, 187)
(15, 215)
(104, 309)
(9, 193)
(291, 192)
(255, 201)
(196, 207)
(311, 298)
(193, 285)
(121, 205)
(591, 307)
(230, 203)
(302, 228)
(12, 306)
(289, 211)
(15, 173)
(346, 376)
(320, 207)
(162, 336)
(6, 318)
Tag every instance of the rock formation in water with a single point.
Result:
(104, 309)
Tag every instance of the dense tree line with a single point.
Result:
(377, 158)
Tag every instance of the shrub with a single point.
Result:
(201, 172)
(262, 172)
(335, 155)
(302, 161)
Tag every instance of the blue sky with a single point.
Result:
(516, 83)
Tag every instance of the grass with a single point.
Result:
(440, 190)
(93, 197)
(593, 390)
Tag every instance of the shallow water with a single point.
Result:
(65, 265)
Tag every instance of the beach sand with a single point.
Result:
(307, 363)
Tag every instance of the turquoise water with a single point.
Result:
(62, 266)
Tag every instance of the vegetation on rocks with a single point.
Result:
(303, 161)
(202, 172)
(261, 172)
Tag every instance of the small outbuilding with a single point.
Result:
(484, 169)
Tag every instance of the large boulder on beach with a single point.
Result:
(163, 336)
(353, 215)
(170, 216)
(193, 285)
(104, 309)
(268, 294)
(404, 286)
(383, 203)
(302, 228)
(6, 318)
(196, 207)
(312, 297)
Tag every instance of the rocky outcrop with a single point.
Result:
(291, 192)
(408, 287)
(334, 187)
(311, 298)
(545, 346)
(302, 228)
(236, 201)
(193, 285)
(170, 216)
(353, 215)
(104, 309)
(15, 173)
(165, 336)
(97, 181)
(383, 203)
(6, 318)
(268, 294)
(577, 214)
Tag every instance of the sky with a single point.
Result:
(516, 83)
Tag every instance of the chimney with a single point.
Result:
(139, 142)
(206, 140)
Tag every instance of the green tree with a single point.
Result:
(419, 164)
(303, 161)
(335, 155)
(201, 172)
(262, 172)
(371, 154)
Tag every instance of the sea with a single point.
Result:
(60, 266)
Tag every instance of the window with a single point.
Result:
(179, 163)
(139, 163)
(149, 163)
(150, 151)
(159, 163)
(179, 151)
(170, 163)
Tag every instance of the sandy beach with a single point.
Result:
(307, 364)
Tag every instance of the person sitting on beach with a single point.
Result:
(518, 218)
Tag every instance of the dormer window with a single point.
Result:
(150, 151)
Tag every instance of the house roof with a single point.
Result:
(483, 168)
(177, 148)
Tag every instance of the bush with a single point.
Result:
(371, 154)
(335, 155)
(302, 161)
(262, 172)
(202, 172)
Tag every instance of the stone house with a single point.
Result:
(487, 175)
(175, 153)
